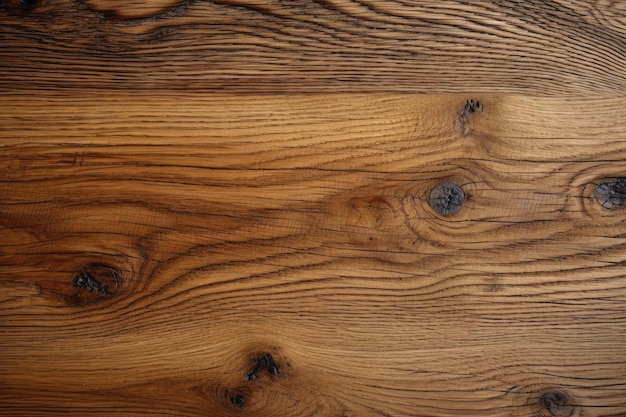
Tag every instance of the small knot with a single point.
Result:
(611, 195)
(237, 401)
(472, 106)
(95, 282)
(265, 361)
(446, 198)
(556, 403)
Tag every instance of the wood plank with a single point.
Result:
(299, 226)
(446, 46)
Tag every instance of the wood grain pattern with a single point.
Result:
(534, 47)
(298, 226)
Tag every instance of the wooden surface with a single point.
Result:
(488, 46)
(222, 208)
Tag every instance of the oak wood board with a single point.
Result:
(530, 47)
(224, 208)
(299, 226)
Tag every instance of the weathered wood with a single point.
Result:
(154, 248)
(433, 46)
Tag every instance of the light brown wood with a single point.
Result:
(422, 46)
(299, 226)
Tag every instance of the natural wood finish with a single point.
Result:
(299, 226)
(431, 46)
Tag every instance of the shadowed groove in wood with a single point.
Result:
(450, 46)
(299, 227)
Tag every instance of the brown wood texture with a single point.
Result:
(298, 226)
(226, 208)
(491, 46)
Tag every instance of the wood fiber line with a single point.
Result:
(204, 255)
(451, 46)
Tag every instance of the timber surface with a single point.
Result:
(254, 184)
(298, 226)
(452, 46)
